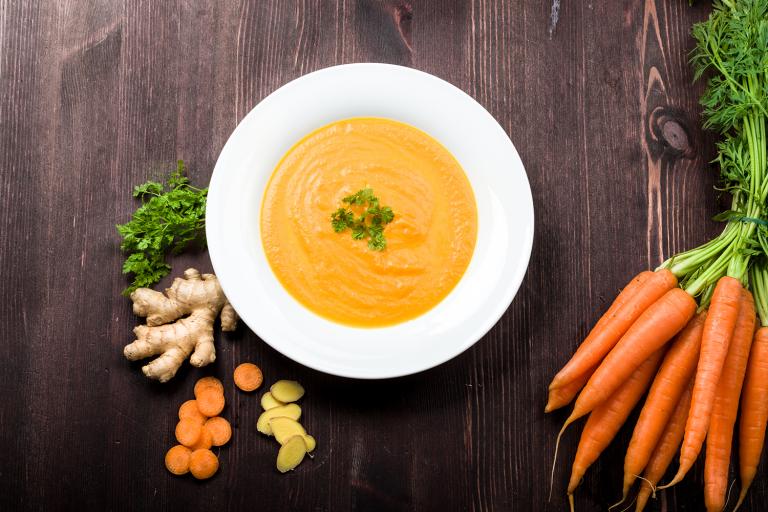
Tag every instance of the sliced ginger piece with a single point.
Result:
(291, 411)
(203, 464)
(188, 431)
(210, 402)
(285, 428)
(177, 459)
(208, 382)
(189, 410)
(269, 402)
(248, 377)
(204, 442)
(220, 429)
(287, 391)
(291, 454)
(179, 324)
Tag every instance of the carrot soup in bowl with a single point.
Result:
(375, 273)
(369, 220)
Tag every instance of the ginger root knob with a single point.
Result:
(192, 303)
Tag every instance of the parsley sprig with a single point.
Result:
(368, 223)
(170, 219)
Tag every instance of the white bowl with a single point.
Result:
(504, 207)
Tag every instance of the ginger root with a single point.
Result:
(197, 298)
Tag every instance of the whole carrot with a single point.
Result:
(726, 404)
(655, 327)
(642, 291)
(666, 449)
(675, 373)
(562, 396)
(754, 412)
(718, 331)
(606, 420)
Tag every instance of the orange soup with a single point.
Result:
(429, 242)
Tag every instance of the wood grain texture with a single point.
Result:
(98, 95)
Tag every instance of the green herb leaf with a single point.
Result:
(170, 219)
(369, 223)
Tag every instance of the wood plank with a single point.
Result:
(99, 96)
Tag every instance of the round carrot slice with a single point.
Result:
(248, 377)
(220, 429)
(208, 382)
(210, 402)
(205, 441)
(177, 459)
(203, 464)
(188, 431)
(189, 410)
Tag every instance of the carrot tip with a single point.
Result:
(670, 484)
(741, 500)
(629, 506)
(728, 496)
(554, 462)
(570, 502)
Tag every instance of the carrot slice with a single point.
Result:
(177, 459)
(208, 382)
(210, 402)
(220, 429)
(248, 377)
(203, 464)
(188, 431)
(205, 441)
(189, 410)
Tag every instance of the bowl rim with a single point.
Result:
(491, 318)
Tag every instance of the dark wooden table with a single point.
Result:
(97, 96)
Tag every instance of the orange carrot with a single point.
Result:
(248, 377)
(645, 289)
(189, 410)
(562, 396)
(718, 330)
(220, 429)
(754, 412)
(606, 420)
(208, 382)
(204, 442)
(675, 373)
(188, 431)
(653, 329)
(177, 460)
(726, 404)
(666, 450)
(210, 402)
(203, 464)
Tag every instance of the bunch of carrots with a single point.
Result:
(687, 332)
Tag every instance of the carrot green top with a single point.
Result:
(731, 49)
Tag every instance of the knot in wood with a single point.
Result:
(668, 128)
